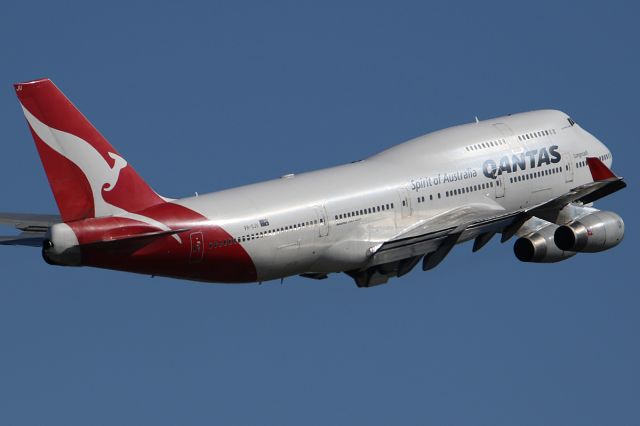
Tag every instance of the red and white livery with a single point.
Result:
(534, 175)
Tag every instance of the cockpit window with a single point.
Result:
(571, 121)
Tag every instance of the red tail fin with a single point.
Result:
(87, 175)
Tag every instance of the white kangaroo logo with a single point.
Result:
(120, 163)
(99, 173)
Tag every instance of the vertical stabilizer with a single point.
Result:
(87, 175)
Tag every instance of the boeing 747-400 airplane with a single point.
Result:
(534, 175)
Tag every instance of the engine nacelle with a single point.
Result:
(539, 247)
(593, 233)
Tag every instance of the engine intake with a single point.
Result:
(593, 233)
(539, 247)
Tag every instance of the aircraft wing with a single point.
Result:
(33, 227)
(441, 233)
(432, 239)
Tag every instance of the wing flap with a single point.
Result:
(464, 222)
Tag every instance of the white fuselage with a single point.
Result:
(330, 220)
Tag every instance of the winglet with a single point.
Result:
(599, 171)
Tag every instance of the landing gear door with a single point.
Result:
(323, 225)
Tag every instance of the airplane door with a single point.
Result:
(323, 226)
(197, 247)
(500, 186)
(405, 203)
(568, 167)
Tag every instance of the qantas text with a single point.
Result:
(529, 159)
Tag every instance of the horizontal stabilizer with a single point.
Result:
(29, 239)
(29, 221)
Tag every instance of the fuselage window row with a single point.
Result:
(270, 232)
(484, 145)
(535, 175)
(522, 138)
(468, 189)
(362, 212)
(536, 134)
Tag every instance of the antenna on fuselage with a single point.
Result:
(477, 121)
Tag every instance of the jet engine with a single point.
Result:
(539, 247)
(595, 232)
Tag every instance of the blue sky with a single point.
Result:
(207, 96)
